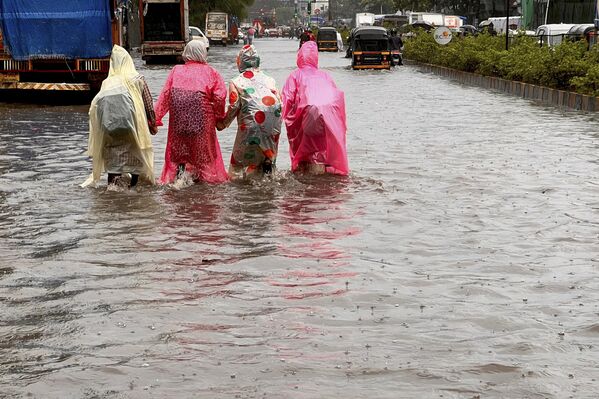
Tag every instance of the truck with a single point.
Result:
(48, 46)
(364, 19)
(164, 28)
(434, 19)
(217, 28)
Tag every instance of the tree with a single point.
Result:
(378, 6)
(414, 5)
(199, 8)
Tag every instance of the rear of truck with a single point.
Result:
(55, 46)
(217, 28)
(164, 29)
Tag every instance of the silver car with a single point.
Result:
(196, 33)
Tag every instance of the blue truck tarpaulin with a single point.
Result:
(56, 29)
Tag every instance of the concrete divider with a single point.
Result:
(545, 95)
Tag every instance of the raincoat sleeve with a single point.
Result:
(234, 105)
(164, 99)
(289, 95)
(148, 105)
(219, 94)
(95, 144)
(274, 90)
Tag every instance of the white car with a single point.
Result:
(196, 33)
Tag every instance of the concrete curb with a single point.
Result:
(545, 95)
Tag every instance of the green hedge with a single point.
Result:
(568, 66)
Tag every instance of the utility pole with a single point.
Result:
(507, 24)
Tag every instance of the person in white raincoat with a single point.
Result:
(123, 102)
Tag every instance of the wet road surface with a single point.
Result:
(458, 260)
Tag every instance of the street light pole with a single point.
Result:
(507, 24)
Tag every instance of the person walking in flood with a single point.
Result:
(306, 36)
(314, 114)
(254, 100)
(194, 94)
(250, 35)
(121, 119)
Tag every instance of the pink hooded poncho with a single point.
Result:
(314, 114)
(194, 94)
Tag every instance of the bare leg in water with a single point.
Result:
(311, 168)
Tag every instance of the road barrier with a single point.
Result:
(545, 95)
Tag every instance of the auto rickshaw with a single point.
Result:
(370, 48)
(326, 39)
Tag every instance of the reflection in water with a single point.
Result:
(314, 215)
(458, 260)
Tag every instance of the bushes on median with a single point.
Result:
(568, 66)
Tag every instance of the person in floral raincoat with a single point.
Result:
(254, 100)
(194, 94)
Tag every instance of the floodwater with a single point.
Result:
(459, 259)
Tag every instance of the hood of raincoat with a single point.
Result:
(196, 51)
(307, 55)
(248, 58)
(121, 64)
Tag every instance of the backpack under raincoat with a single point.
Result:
(314, 114)
(131, 150)
(194, 96)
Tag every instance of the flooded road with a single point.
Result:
(459, 259)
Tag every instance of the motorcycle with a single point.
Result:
(396, 58)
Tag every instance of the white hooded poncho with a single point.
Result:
(122, 73)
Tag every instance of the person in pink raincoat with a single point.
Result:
(194, 94)
(314, 114)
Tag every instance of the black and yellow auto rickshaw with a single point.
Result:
(327, 39)
(370, 48)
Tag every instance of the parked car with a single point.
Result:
(196, 33)
(466, 30)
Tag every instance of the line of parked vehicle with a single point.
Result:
(549, 34)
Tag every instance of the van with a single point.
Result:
(498, 23)
(552, 34)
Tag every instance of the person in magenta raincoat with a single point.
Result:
(314, 114)
(194, 94)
